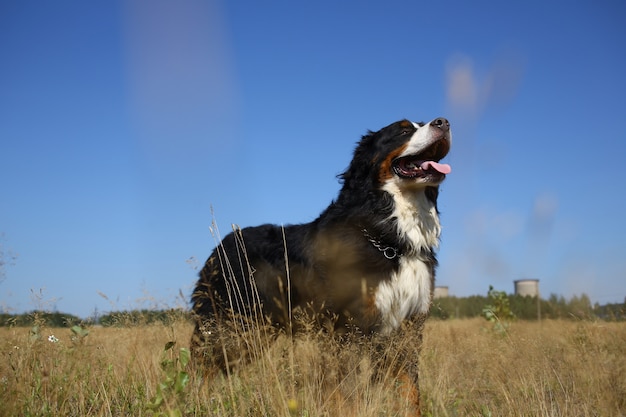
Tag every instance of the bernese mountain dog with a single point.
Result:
(368, 261)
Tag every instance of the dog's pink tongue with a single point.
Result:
(443, 168)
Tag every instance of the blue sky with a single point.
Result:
(128, 128)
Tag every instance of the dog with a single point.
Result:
(368, 261)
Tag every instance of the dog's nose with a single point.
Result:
(441, 123)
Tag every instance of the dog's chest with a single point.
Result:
(408, 292)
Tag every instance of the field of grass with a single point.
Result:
(552, 368)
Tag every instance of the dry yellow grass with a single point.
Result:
(553, 368)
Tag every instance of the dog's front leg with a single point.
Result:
(401, 359)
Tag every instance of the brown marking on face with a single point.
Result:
(406, 124)
(385, 172)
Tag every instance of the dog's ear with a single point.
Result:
(361, 166)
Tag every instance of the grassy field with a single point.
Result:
(552, 368)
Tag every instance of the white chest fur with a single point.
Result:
(416, 215)
(407, 293)
(409, 290)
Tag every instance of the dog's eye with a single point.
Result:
(405, 132)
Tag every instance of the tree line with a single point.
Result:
(112, 319)
(523, 308)
(530, 308)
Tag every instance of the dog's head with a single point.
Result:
(405, 153)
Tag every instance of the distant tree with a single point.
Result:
(38, 317)
(580, 307)
(524, 307)
(615, 311)
(458, 307)
(555, 307)
(95, 316)
(142, 317)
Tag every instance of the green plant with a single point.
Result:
(170, 392)
(498, 312)
(79, 334)
(35, 333)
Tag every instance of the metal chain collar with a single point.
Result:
(388, 252)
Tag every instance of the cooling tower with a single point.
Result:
(440, 292)
(526, 287)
